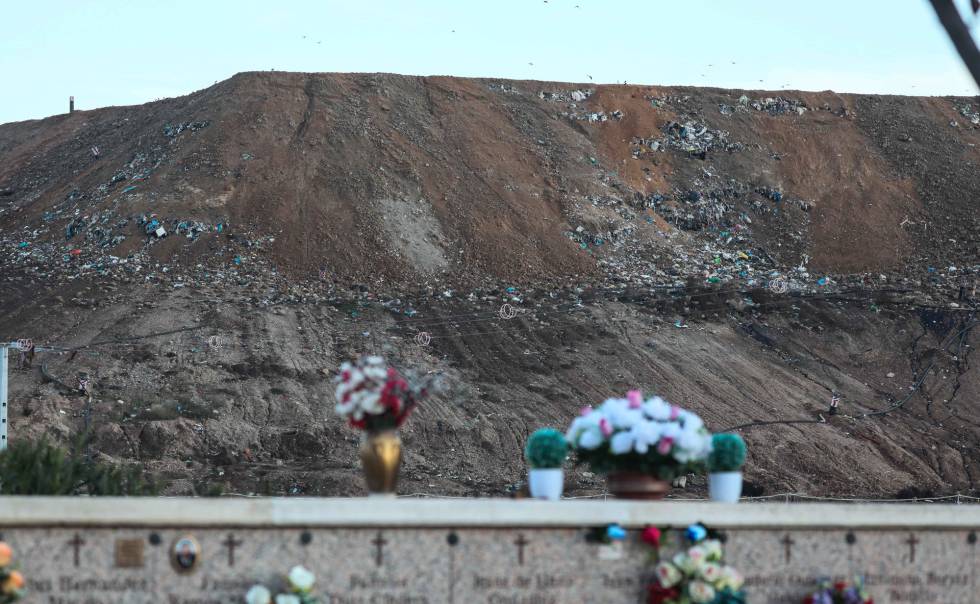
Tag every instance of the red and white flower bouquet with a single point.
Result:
(373, 396)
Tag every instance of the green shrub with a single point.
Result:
(41, 468)
(727, 453)
(546, 448)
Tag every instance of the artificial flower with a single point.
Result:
(658, 594)
(591, 439)
(682, 561)
(6, 554)
(615, 532)
(695, 533)
(651, 536)
(301, 579)
(698, 556)
(840, 592)
(645, 435)
(14, 582)
(701, 592)
(668, 574)
(371, 395)
(711, 572)
(731, 578)
(651, 433)
(258, 594)
(621, 443)
(584, 431)
(713, 547)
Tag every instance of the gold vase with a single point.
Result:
(381, 455)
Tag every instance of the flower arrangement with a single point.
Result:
(546, 448)
(299, 590)
(373, 396)
(840, 592)
(697, 575)
(727, 453)
(11, 581)
(632, 434)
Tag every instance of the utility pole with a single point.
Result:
(959, 33)
(3, 395)
(5, 347)
(71, 104)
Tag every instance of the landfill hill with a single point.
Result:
(209, 260)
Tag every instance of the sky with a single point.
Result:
(112, 52)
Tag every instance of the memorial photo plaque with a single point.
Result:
(185, 554)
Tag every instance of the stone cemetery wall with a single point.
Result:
(377, 551)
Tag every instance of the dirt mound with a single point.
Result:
(397, 181)
(210, 259)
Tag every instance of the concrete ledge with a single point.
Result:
(459, 513)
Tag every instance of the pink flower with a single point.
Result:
(674, 412)
(605, 427)
(651, 535)
(586, 411)
(635, 398)
(663, 447)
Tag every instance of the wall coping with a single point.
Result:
(109, 512)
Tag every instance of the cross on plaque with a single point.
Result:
(77, 542)
(912, 541)
(231, 543)
(788, 544)
(520, 543)
(379, 542)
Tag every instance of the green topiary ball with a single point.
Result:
(727, 453)
(546, 448)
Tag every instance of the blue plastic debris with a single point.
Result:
(822, 281)
(129, 188)
(238, 260)
(23, 244)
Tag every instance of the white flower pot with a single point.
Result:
(725, 486)
(546, 483)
